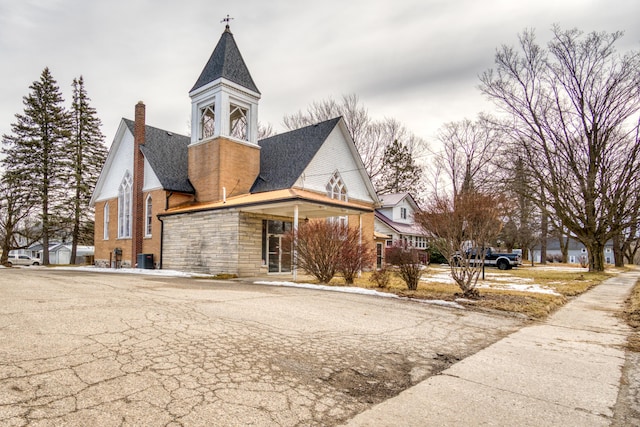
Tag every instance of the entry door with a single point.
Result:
(279, 257)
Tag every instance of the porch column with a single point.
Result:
(295, 242)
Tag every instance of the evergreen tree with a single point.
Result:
(400, 173)
(36, 152)
(88, 154)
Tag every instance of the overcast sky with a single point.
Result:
(414, 60)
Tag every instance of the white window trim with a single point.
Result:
(336, 188)
(124, 207)
(148, 220)
(105, 221)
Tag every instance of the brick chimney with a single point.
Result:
(137, 202)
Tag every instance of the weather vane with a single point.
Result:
(227, 20)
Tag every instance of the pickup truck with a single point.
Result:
(504, 261)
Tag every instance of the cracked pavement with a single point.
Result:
(84, 348)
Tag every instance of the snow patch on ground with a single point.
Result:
(355, 290)
(493, 281)
(149, 272)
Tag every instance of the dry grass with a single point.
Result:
(566, 282)
(632, 316)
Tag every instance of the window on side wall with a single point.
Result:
(105, 222)
(124, 207)
(148, 216)
(337, 190)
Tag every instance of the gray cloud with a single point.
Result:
(414, 60)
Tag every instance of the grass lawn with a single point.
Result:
(530, 291)
(632, 316)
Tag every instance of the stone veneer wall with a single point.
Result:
(213, 242)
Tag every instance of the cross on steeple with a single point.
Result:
(227, 20)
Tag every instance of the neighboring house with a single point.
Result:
(60, 253)
(395, 220)
(577, 251)
(221, 201)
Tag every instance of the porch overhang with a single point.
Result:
(281, 203)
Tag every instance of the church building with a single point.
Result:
(220, 201)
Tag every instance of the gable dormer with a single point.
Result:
(224, 99)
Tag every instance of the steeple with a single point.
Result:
(226, 62)
(224, 100)
(224, 155)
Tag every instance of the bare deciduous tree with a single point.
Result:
(570, 110)
(469, 149)
(459, 228)
(16, 206)
(371, 137)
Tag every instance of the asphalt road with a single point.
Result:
(80, 349)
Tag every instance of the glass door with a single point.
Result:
(279, 257)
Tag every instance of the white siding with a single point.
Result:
(397, 217)
(122, 162)
(335, 154)
(151, 181)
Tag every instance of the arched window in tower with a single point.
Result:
(336, 188)
(239, 122)
(207, 121)
(124, 207)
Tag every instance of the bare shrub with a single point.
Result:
(407, 261)
(323, 248)
(381, 277)
(354, 255)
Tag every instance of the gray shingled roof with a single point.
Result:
(226, 62)
(284, 157)
(167, 154)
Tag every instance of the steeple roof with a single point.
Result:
(226, 62)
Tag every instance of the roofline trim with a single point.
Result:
(269, 202)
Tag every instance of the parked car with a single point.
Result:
(504, 261)
(22, 260)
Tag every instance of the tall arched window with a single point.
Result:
(148, 216)
(105, 222)
(336, 188)
(124, 207)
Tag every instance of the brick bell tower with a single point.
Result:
(224, 156)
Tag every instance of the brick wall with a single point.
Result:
(104, 248)
(221, 163)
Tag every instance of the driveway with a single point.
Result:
(83, 348)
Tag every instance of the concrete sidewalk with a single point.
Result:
(563, 372)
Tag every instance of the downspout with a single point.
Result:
(161, 240)
(295, 242)
(166, 207)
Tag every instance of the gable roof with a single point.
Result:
(390, 200)
(167, 155)
(398, 227)
(284, 157)
(226, 62)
